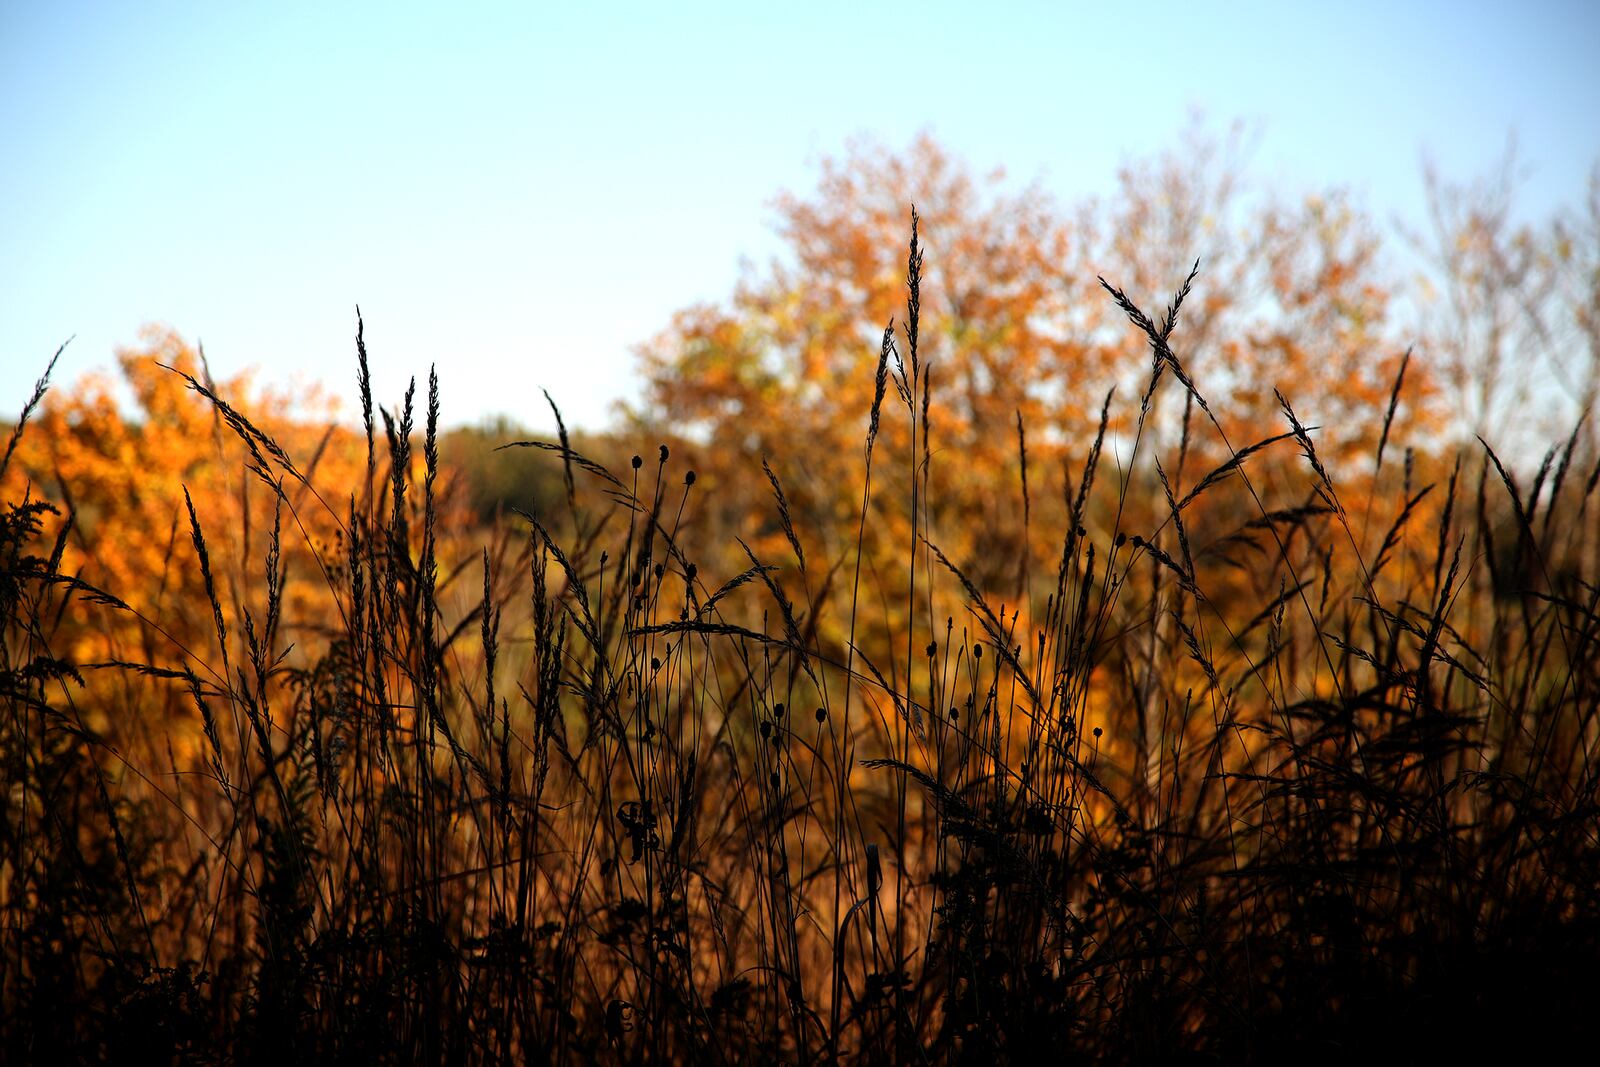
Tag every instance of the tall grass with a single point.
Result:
(1265, 775)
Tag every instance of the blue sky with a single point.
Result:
(521, 192)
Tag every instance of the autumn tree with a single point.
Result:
(126, 474)
(1509, 305)
(1019, 345)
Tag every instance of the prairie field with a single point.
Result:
(955, 656)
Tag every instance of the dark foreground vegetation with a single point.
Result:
(1267, 756)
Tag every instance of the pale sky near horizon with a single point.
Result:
(521, 193)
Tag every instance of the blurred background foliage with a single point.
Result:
(1305, 295)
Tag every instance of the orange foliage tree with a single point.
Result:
(1018, 346)
(127, 474)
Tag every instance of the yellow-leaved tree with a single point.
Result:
(125, 471)
(1018, 344)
